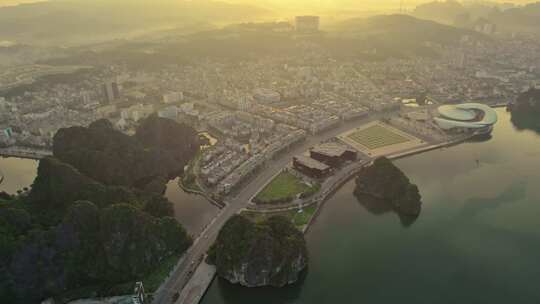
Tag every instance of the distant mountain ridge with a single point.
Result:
(402, 29)
(83, 22)
(507, 17)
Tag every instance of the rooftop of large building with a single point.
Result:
(311, 163)
(466, 115)
(331, 149)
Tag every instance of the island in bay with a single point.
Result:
(387, 185)
(526, 110)
(270, 253)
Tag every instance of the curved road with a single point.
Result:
(235, 204)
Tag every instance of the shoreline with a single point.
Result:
(327, 195)
(219, 205)
(351, 175)
(201, 288)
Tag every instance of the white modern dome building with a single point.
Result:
(474, 117)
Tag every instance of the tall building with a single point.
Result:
(6, 137)
(460, 60)
(307, 24)
(111, 91)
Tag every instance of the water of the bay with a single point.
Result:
(477, 239)
(18, 173)
(192, 210)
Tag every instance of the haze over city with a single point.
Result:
(271, 151)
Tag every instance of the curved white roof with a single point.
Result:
(455, 113)
(463, 115)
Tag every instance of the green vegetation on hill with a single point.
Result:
(396, 36)
(528, 101)
(283, 189)
(387, 184)
(89, 247)
(524, 18)
(178, 139)
(84, 229)
(299, 219)
(526, 110)
(269, 253)
(161, 148)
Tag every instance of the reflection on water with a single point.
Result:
(18, 173)
(193, 211)
(380, 207)
(476, 241)
(480, 138)
(231, 292)
(477, 205)
(526, 121)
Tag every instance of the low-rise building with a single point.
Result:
(311, 167)
(333, 154)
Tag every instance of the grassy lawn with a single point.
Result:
(299, 219)
(303, 218)
(283, 188)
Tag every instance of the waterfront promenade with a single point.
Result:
(198, 273)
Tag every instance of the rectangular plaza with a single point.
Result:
(379, 139)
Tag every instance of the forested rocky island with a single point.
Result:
(160, 148)
(526, 110)
(387, 184)
(528, 101)
(88, 223)
(270, 253)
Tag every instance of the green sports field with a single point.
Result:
(376, 137)
(283, 188)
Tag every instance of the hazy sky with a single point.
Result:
(14, 2)
(335, 4)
